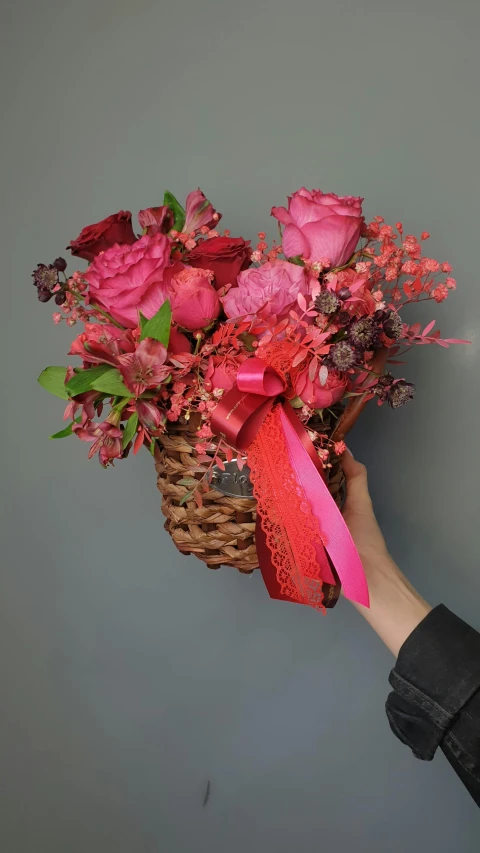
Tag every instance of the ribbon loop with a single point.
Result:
(257, 377)
(241, 411)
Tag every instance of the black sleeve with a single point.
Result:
(436, 694)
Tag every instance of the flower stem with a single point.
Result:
(107, 316)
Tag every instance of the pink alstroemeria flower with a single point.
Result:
(144, 368)
(102, 343)
(149, 415)
(107, 440)
(199, 212)
(85, 402)
(156, 220)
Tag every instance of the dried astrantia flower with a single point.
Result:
(400, 393)
(45, 277)
(343, 355)
(44, 294)
(363, 333)
(327, 302)
(392, 324)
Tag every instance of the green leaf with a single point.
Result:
(130, 429)
(187, 481)
(158, 327)
(111, 382)
(152, 446)
(143, 319)
(63, 432)
(68, 430)
(53, 380)
(298, 260)
(185, 498)
(85, 379)
(177, 210)
(120, 402)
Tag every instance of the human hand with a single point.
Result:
(396, 608)
(359, 515)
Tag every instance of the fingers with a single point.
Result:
(356, 476)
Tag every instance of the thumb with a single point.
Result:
(357, 482)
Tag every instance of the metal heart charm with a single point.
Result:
(232, 481)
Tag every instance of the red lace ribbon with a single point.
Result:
(300, 532)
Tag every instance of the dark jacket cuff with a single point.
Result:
(436, 674)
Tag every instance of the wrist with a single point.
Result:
(396, 608)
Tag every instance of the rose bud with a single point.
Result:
(194, 301)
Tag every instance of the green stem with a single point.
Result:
(110, 319)
(107, 316)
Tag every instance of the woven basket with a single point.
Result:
(222, 531)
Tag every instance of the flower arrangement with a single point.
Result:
(201, 345)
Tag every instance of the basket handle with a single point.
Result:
(357, 404)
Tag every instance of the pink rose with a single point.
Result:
(195, 304)
(127, 279)
(222, 371)
(321, 226)
(318, 396)
(274, 285)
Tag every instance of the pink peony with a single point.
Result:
(195, 304)
(127, 279)
(320, 226)
(101, 343)
(318, 396)
(274, 285)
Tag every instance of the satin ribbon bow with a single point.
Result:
(301, 535)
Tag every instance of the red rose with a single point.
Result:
(96, 238)
(222, 371)
(224, 256)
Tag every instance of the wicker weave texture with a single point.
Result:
(222, 531)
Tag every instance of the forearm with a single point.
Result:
(396, 608)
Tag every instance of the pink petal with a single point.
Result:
(153, 298)
(282, 214)
(332, 238)
(293, 242)
(302, 210)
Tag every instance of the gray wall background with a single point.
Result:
(131, 675)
